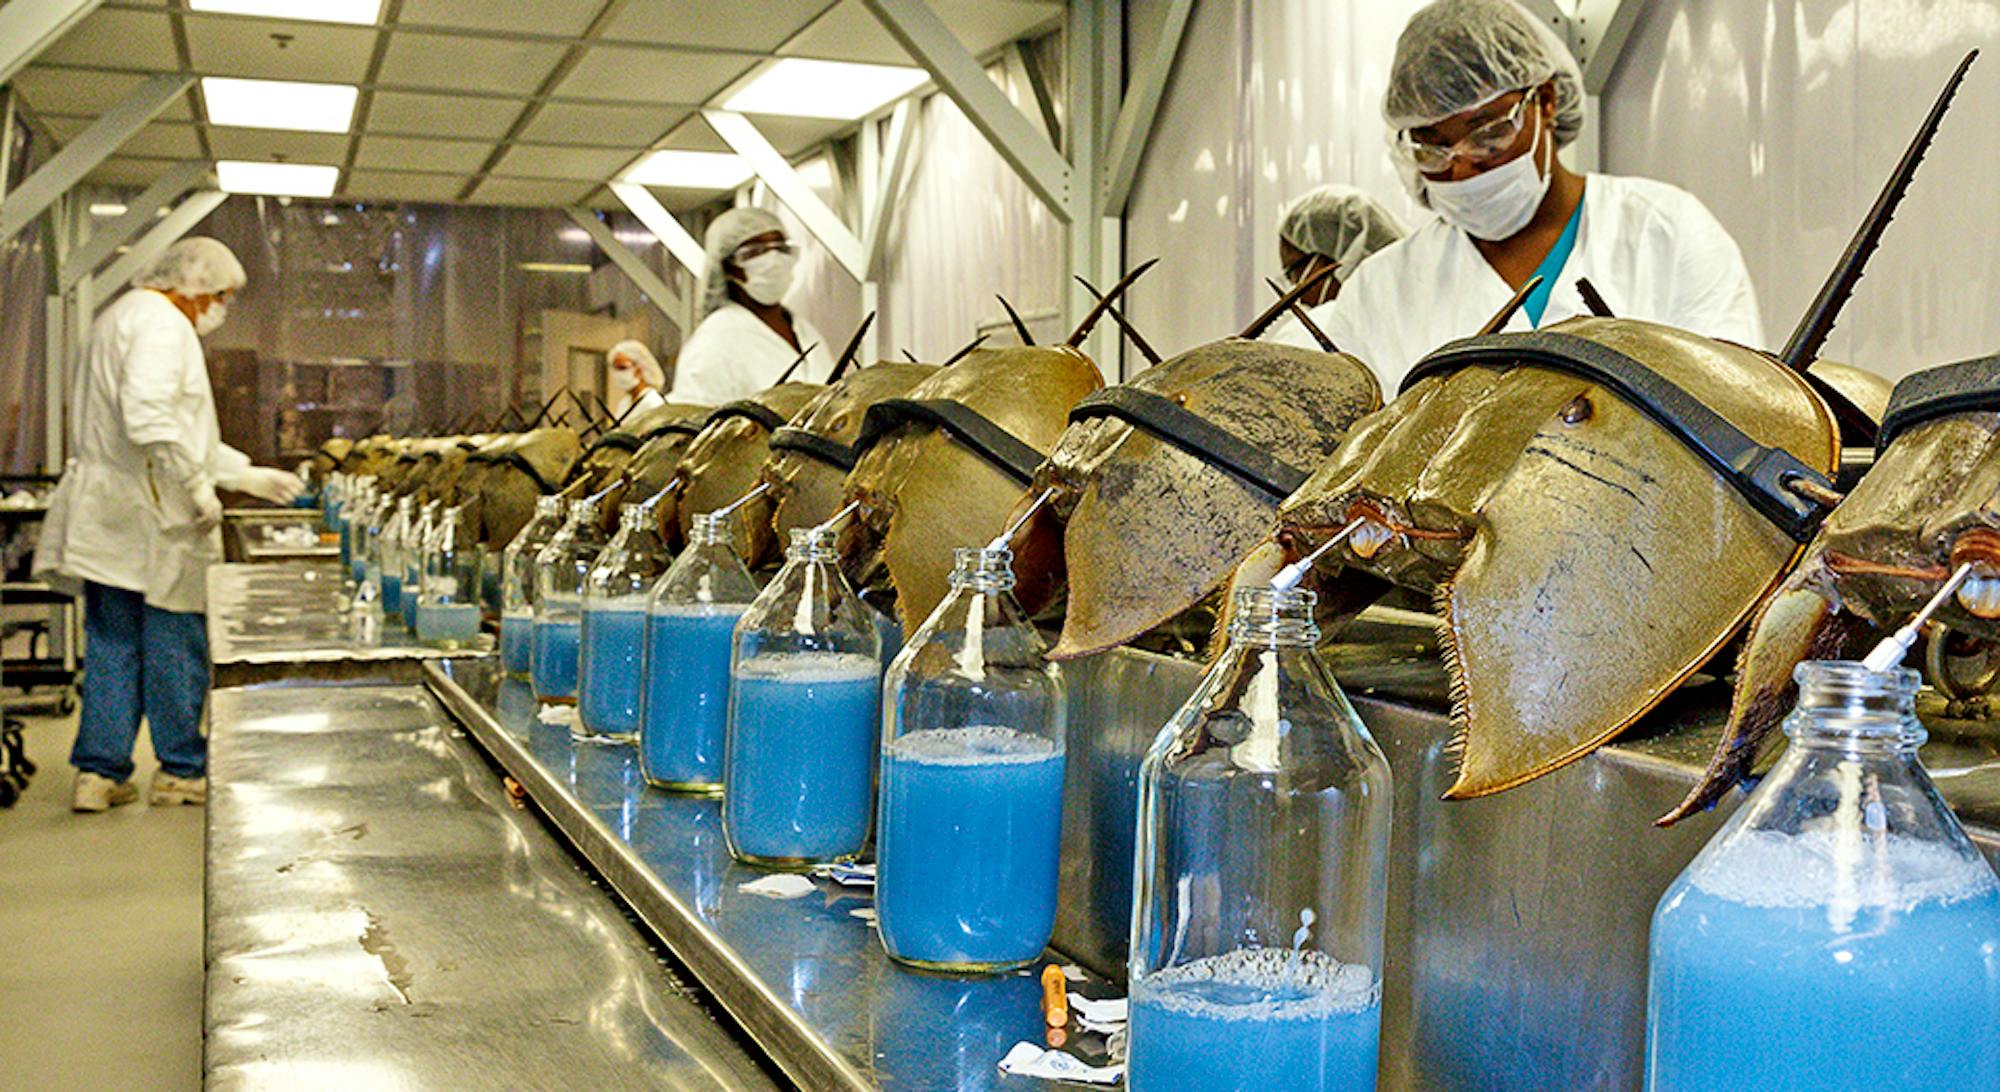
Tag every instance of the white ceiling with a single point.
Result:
(517, 102)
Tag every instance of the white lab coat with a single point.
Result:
(1652, 250)
(650, 398)
(733, 354)
(116, 518)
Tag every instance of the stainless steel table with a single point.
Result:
(288, 621)
(266, 535)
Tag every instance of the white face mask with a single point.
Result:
(768, 276)
(1493, 205)
(211, 320)
(624, 380)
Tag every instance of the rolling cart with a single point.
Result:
(39, 625)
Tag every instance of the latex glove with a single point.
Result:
(268, 483)
(207, 508)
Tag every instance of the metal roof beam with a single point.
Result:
(784, 182)
(29, 26)
(656, 289)
(91, 147)
(1134, 128)
(1598, 33)
(884, 188)
(148, 249)
(665, 226)
(139, 212)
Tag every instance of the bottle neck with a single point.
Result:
(709, 529)
(1273, 618)
(810, 546)
(983, 570)
(1843, 704)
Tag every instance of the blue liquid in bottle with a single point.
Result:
(611, 646)
(684, 710)
(517, 643)
(1256, 1019)
(409, 587)
(970, 832)
(448, 623)
(555, 661)
(1852, 989)
(392, 593)
(800, 768)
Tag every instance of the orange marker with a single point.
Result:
(1055, 997)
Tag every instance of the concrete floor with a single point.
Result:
(100, 934)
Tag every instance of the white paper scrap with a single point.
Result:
(552, 713)
(847, 875)
(1072, 972)
(865, 913)
(785, 885)
(1099, 1015)
(1029, 1060)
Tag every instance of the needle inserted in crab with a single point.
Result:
(739, 502)
(1005, 539)
(834, 521)
(1895, 646)
(649, 503)
(1289, 576)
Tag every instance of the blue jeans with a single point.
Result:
(140, 659)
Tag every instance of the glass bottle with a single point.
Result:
(517, 585)
(353, 529)
(368, 558)
(972, 781)
(1842, 908)
(612, 641)
(422, 540)
(393, 562)
(1261, 871)
(690, 634)
(560, 570)
(448, 610)
(804, 715)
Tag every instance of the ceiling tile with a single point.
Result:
(512, 191)
(585, 123)
(73, 91)
(273, 49)
(260, 145)
(679, 200)
(758, 26)
(115, 38)
(164, 139)
(461, 156)
(650, 75)
(391, 186)
(693, 135)
(468, 64)
(790, 135)
(850, 32)
(541, 161)
(124, 171)
(442, 115)
(567, 18)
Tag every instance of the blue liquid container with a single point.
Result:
(517, 643)
(1255, 1019)
(1261, 874)
(453, 624)
(611, 648)
(555, 659)
(448, 614)
(801, 757)
(684, 709)
(969, 842)
(1842, 910)
(517, 585)
(392, 592)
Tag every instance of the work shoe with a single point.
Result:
(169, 790)
(95, 792)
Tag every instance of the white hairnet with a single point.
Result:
(643, 358)
(197, 266)
(729, 231)
(1339, 222)
(1458, 54)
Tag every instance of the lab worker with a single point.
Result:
(1331, 226)
(635, 379)
(133, 524)
(747, 338)
(1481, 96)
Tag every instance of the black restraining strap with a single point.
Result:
(685, 427)
(622, 441)
(806, 442)
(998, 447)
(755, 411)
(1964, 387)
(520, 462)
(1176, 424)
(1759, 473)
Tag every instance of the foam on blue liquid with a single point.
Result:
(1252, 1020)
(611, 646)
(799, 777)
(517, 642)
(684, 705)
(555, 658)
(1887, 983)
(967, 849)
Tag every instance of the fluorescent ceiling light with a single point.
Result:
(690, 170)
(840, 90)
(279, 104)
(360, 12)
(277, 179)
(107, 209)
(551, 267)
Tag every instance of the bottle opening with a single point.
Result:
(812, 544)
(709, 529)
(1284, 615)
(987, 568)
(1845, 698)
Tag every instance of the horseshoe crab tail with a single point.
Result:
(1089, 320)
(1505, 315)
(954, 358)
(795, 364)
(1261, 322)
(1305, 320)
(909, 356)
(1593, 299)
(544, 414)
(1014, 316)
(853, 346)
(1807, 340)
(1118, 316)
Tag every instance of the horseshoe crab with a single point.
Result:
(604, 461)
(944, 465)
(661, 446)
(724, 461)
(1212, 439)
(1929, 504)
(510, 473)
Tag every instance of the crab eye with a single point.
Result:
(1578, 411)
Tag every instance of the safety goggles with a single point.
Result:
(1484, 144)
(1306, 265)
(758, 249)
